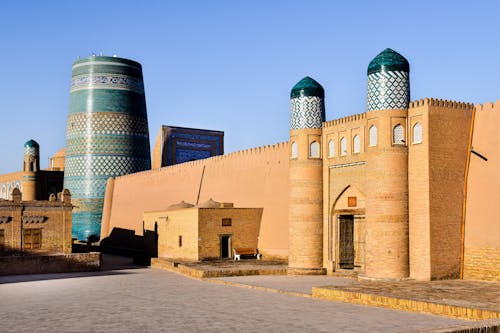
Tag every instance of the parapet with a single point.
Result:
(345, 120)
(441, 103)
(488, 106)
(214, 159)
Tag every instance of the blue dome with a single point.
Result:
(307, 87)
(388, 60)
(32, 144)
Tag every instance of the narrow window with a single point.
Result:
(417, 133)
(180, 241)
(331, 148)
(356, 144)
(399, 135)
(314, 149)
(227, 222)
(343, 147)
(373, 136)
(32, 239)
(295, 151)
(2, 240)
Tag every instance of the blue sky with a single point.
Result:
(230, 65)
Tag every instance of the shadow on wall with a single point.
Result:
(125, 242)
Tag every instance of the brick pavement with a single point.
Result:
(153, 300)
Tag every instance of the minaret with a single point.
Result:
(306, 178)
(387, 167)
(31, 165)
(107, 134)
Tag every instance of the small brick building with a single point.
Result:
(208, 231)
(38, 227)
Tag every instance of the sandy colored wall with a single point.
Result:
(482, 227)
(7, 183)
(449, 128)
(244, 229)
(256, 177)
(157, 150)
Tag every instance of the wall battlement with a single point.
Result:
(441, 103)
(345, 120)
(214, 159)
(488, 106)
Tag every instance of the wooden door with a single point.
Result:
(346, 241)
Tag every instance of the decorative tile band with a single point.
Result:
(31, 151)
(388, 90)
(104, 165)
(90, 124)
(106, 81)
(307, 112)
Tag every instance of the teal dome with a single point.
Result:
(31, 144)
(307, 87)
(388, 60)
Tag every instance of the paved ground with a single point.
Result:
(153, 300)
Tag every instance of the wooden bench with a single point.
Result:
(246, 251)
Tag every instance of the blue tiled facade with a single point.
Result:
(107, 134)
(188, 144)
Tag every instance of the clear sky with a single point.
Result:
(230, 65)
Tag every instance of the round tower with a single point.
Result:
(305, 211)
(107, 134)
(31, 165)
(387, 167)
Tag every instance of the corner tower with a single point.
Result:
(387, 167)
(107, 134)
(305, 211)
(31, 165)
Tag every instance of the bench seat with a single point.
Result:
(246, 251)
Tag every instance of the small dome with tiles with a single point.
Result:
(388, 60)
(307, 87)
(31, 144)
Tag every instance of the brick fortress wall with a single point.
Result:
(256, 177)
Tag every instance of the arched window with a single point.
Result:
(356, 145)
(417, 133)
(373, 136)
(314, 149)
(295, 150)
(331, 148)
(399, 135)
(343, 147)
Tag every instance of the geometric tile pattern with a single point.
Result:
(107, 134)
(106, 81)
(31, 151)
(399, 135)
(307, 112)
(388, 90)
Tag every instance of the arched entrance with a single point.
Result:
(347, 230)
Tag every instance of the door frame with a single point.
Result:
(229, 245)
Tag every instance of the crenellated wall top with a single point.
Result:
(214, 159)
(344, 120)
(441, 103)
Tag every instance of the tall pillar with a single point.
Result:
(107, 134)
(387, 167)
(31, 166)
(306, 178)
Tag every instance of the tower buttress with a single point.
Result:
(31, 166)
(305, 212)
(388, 97)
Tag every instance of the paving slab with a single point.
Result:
(154, 300)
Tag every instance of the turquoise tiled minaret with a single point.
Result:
(388, 82)
(307, 106)
(107, 134)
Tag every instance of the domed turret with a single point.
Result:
(307, 87)
(388, 60)
(32, 144)
(307, 107)
(388, 81)
(305, 215)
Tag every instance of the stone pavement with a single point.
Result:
(152, 300)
